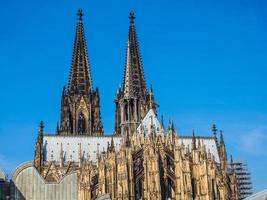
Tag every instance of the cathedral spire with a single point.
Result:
(80, 78)
(133, 101)
(134, 84)
(80, 103)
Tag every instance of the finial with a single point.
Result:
(151, 88)
(221, 137)
(41, 128)
(162, 122)
(214, 129)
(193, 131)
(132, 17)
(80, 14)
(57, 130)
(112, 146)
(172, 125)
(199, 143)
(64, 91)
(194, 140)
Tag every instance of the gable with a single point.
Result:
(149, 120)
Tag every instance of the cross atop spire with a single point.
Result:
(80, 14)
(80, 78)
(131, 17)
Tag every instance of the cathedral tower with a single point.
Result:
(133, 100)
(80, 103)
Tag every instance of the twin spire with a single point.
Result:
(80, 78)
(80, 109)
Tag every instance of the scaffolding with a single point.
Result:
(243, 176)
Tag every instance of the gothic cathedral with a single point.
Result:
(141, 160)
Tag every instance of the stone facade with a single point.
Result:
(141, 160)
(152, 166)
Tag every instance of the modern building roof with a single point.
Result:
(262, 195)
(2, 175)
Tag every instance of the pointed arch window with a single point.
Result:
(81, 124)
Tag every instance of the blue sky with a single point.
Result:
(205, 59)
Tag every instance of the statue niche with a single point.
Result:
(81, 124)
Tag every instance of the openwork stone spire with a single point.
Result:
(133, 100)
(80, 103)
(134, 84)
(80, 78)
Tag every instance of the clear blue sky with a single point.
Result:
(207, 61)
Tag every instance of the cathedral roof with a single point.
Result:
(134, 84)
(209, 143)
(88, 147)
(150, 121)
(80, 78)
(72, 146)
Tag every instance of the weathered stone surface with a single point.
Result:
(104, 197)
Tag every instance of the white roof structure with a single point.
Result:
(209, 143)
(150, 119)
(75, 146)
(86, 147)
